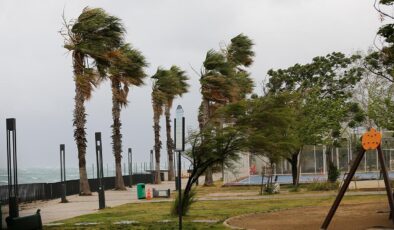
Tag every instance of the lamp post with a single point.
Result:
(151, 160)
(100, 174)
(12, 168)
(63, 172)
(179, 139)
(130, 161)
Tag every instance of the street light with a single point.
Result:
(63, 172)
(179, 139)
(12, 168)
(100, 174)
(130, 161)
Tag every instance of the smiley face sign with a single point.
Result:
(371, 139)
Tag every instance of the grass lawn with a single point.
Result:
(148, 215)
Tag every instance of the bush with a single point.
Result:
(333, 172)
(294, 188)
(322, 186)
(186, 203)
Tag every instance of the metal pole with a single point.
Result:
(342, 191)
(386, 181)
(63, 173)
(151, 160)
(179, 190)
(130, 167)
(100, 175)
(12, 168)
(365, 163)
(314, 156)
(324, 160)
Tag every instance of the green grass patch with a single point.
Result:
(148, 214)
(322, 186)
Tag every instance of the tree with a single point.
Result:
(210, 146)
(268, 122)
(92, 36)
(126, 70)
(158, 101)
(224, 80)
(176, 85)
(325, 87)
(168, 84)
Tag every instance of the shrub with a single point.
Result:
(333, 172)
(294, 188)
(322, 186)
(186, 203)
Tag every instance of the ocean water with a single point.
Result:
(49, 175)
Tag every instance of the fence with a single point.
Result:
(46, 191)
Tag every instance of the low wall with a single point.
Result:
(46, 191)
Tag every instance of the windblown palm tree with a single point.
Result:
(224, 80)
(168, 84)
(126, 70)
(90, 38)
(158, 101)
(177, 87)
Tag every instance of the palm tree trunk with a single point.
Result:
(79, 125)
(117, 136)
(170, 144)
(156, 128)
(205, 114)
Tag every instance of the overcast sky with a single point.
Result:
(36, 81)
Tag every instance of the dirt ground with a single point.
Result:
(348, 216)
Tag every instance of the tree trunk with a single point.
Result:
(170, 143)
(116, 135)
(203, 120)
(294, 167)
(208, 177)
(156, 128)
(79, 125)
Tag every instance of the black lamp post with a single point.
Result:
(179, 139)
(100, 174)
(12, 168)
(130, 161)
(63, 172)
(151, 160)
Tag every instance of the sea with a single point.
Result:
(48, 175)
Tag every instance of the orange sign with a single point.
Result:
(371, 139)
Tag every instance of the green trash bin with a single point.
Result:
(141, 191)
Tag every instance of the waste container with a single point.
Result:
(141, 191)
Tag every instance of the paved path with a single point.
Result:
(53, 210)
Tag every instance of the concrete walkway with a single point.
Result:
(53, 210)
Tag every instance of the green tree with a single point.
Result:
(90, 38)
(210, 146)
(325, 87)
(126, 70)
(224, 80)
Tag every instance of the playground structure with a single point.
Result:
(370, 141)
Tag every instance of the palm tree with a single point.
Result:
(224, 80)
(126, 70)
(177, 87)
(90, 38)
(167, 85)
(158, 101)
